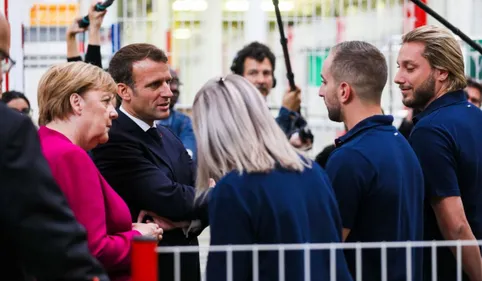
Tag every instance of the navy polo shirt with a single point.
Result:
(447, 138)
(276, 207)
(378, 183)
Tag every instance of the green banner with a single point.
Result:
(315, 63)
(474, 62)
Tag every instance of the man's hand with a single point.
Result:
(74, 29)
(292, 100)
(162, 222)
(296, 142)
(212, 182)
(95, 17)
(149, 229)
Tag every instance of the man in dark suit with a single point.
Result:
(150, 169)
(39, 236)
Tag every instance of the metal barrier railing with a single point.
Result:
(144, 262)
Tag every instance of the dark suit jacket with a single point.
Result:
(39, 235)
(153, 177)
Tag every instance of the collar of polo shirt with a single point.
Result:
(370, 122)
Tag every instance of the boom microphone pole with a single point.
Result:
(99, 7)
(284, 44)
(304, 133)
(447, 24)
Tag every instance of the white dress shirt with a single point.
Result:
(144, 126)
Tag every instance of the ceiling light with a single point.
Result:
(237, 5)
(189, 5)
(182, 33)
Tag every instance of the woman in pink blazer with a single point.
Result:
(76, 110)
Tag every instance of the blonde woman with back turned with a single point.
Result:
(266, 193)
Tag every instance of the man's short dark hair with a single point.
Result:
(13, 95)
(254, 50)
(120, 66)
(361, 65)
(474, 84)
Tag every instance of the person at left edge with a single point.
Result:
(39, 236)
(149, 167)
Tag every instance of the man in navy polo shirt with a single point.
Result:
(376, 176)
(447, 140)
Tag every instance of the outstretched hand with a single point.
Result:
(162, 222)
(292, 100)
(74, 29)
(95, 17)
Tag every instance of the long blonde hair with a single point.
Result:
(235, 131)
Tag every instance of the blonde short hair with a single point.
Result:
(442, 52)
(235, 131)
(61, 81)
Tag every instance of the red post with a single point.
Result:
(414, 16)
(7, 77)
(144, 259)
(420, 15)
(169, 46)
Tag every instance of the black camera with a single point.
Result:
(84, 22)
(305, 135)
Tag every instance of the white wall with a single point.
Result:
(208, 52)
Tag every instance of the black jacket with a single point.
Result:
(39, 236)
(93, 56)
(156, 176)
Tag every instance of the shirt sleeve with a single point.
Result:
(350, 174)
(76, 174)
(435, 151)
(230, 223)
(93, 55)
(286, 120)
(77, 58)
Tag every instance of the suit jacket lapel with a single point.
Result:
(153, 146)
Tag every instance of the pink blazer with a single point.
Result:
(95, 204)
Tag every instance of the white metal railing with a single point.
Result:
(332, 247)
